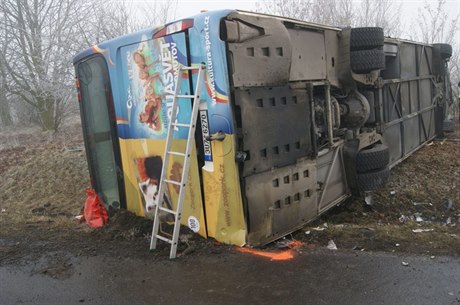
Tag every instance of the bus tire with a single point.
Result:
(364, 61)
(373, 180)
(375, 157)
(366, 38)
(445, 49)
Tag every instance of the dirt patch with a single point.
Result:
(42, 183)
(423, 193)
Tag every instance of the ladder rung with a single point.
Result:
(181, 125)
(176, 153)
(168, 210)
(164, 239)
(172, 182)
(178, 97)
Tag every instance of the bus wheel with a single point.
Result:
(373, 180)
(445, 49)
(373, 157)
(364, 61)
(366, 38)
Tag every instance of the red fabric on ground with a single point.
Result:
(95, 211)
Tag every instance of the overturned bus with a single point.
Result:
(294, 117)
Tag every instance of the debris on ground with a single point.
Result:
(422, 203)
(449, 204)
(405, 264)
(422, 230)
(331, 245)
(368, 198)
(404, 218)
(418, 217)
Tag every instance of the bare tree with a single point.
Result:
(40, 42)
(114, 18)
(108, 20)
(381, 13)
(41, 37)
(435, 26)
(331, 12)
(5, 111)
(296, 9)
(347, 15)
(158, 12)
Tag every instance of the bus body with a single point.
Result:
(294, 117)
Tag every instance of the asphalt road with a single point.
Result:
(318, 277)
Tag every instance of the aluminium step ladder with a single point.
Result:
(186, 155)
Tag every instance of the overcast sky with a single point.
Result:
(191, 7)
(409, 8)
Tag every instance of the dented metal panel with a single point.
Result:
(275, 126)
(409, 103)
(331, 178)
(280, 200)
(262, 60)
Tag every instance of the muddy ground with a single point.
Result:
(43, 177)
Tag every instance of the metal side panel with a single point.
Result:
(428, 122)
(409, 103)
(405, 98)
(281, 200)
(408, 61)
(426, 97)
(411, 133)
(392, 136)
(331, 178)
(264, 60)
(424, 58)
(308, 55)
(275, 127)
(392, 102)
(413, 96)
(333, 53)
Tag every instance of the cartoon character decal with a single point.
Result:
(148, 174)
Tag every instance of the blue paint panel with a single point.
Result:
(206, 47)
(131, 92)
(150, 70)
